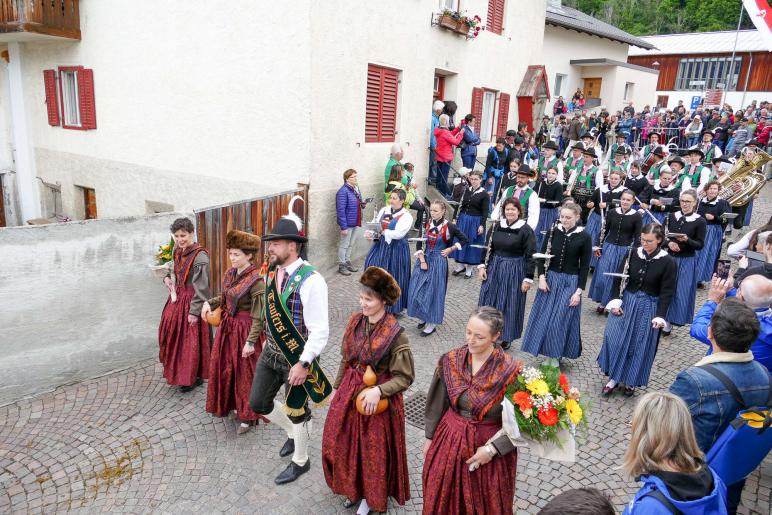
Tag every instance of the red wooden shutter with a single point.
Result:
(381, 104)
(52, 104)
(477, 106)
(503, 118)
(495, 20)
(86, 98)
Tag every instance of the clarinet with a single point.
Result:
(626, 269)
(419, 244)
(490, 240)
(549, 247)
(603, 213)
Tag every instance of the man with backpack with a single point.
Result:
(724, 383)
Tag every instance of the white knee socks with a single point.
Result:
(278, 417)
(300, 433)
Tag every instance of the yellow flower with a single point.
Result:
(538, 387)
(574, 411)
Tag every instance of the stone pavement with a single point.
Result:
(127, 442)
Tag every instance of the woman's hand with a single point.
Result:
(542, 200)
(427, 444)
(708, 216)
(446, 252)
(674, 246)
(597, 252)
(483, 274)
(543, 286)
(424, 265)
(481, 457)
(655, 202)
(617, 312)
(371, 399)
(576, 298)
(205, 310)
(525, 286)
(602, 205)
(480, 230)
(743, 262)
(490, 181)
(168, 282)
(682, 238)
(248, 350)
(192, 319)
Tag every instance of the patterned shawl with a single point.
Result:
(183, 261)
(369, 350)
(235, 286)
(484, 389)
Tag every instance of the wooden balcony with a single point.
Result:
(39, 20)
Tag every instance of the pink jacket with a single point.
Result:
(445, 141)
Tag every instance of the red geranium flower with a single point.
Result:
(548, 416)
(563, 380)
(523, 400)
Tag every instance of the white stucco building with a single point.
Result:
(583, 52)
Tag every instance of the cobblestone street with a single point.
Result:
(127, 442)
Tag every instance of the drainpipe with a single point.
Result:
(29, 192)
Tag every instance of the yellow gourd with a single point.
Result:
(369, 378)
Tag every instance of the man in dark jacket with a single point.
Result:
(732, 330)
(574, 132)
(348, 209)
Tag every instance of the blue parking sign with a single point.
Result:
(695, 102)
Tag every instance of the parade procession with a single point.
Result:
(304, 268)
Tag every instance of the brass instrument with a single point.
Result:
(744, 173)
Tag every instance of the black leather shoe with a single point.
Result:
(288, 448)
(421, 325)
(198, 383)
(628, 391)
(666, 333)
(348, 503)
(458, 272)
(292, 472)
(424, 334)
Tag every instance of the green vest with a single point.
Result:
(694, 178)
(588, 179)
(542, 167)
(523, 199)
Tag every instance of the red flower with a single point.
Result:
(477, 18)
(563, 380)
(548, 416)
(523, 400)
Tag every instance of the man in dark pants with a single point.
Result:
(302, 293)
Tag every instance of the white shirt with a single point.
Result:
(736, 249)
(401, 228)
(313, 295)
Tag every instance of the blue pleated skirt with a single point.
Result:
(469, 255)
(553, 327)
(426, 295)
(658, 217)
(547, 217)
(502, 291)
(629, 341)
(593, 229)
(708, 254)
(748, 214)
(393, 257)
(610, 259)
(681, 311)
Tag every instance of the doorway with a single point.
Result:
(591, 88)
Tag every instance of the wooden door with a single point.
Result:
(89, 201)
(592, 88)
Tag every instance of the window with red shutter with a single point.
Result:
(76, 94)
(477, 107)
(86, 99)
(381, 104)
(503, 118)
(49, 80)
(495, 21)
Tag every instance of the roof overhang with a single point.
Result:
(631, 40)
(611, 62)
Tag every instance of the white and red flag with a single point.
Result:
(761, 15)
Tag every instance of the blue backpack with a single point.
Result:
(747, 439)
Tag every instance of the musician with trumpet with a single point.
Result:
(562, 268)
(622, 228)
(643, 289)
(507, 273)
(429, 280)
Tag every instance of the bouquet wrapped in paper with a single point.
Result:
(164, 265)
(542, 412)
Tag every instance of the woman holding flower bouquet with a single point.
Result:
(183, 337)
(637, 313)
(470, 463)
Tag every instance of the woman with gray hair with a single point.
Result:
(446, 140)
(437, 108)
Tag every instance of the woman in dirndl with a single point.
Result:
(469, 462)
(711, 207)
(473, 211)
(364, 455)
(690, 229)
(554, 324)
(183, 338)
(508, 269)
(239, 339)
(637, 313)
(429, 280)
(621, 231)
(550, 192)
(600, 204)
(663, 188)
(391, 250)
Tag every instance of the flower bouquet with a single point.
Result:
(542, 412)
(164, 265)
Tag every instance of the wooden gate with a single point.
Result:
(256, 216)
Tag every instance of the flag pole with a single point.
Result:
(730, 76)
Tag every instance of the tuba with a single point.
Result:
(745, 175)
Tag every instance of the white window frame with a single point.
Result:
(451, 5)
(560, 79)
(488, 115)
(70, 99)
(629, 88)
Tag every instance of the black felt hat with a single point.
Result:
(551, 145)
(287, 228)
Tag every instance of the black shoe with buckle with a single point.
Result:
(629, 391)
(288, 448)
(198, 383)
(292, 472)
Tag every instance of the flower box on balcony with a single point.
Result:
(450, 23)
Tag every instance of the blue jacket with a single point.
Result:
(470, 142)
(761, 348)
(624, 126)
(435, 124)
(711, 405)
(348, 207)
(712, 504)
